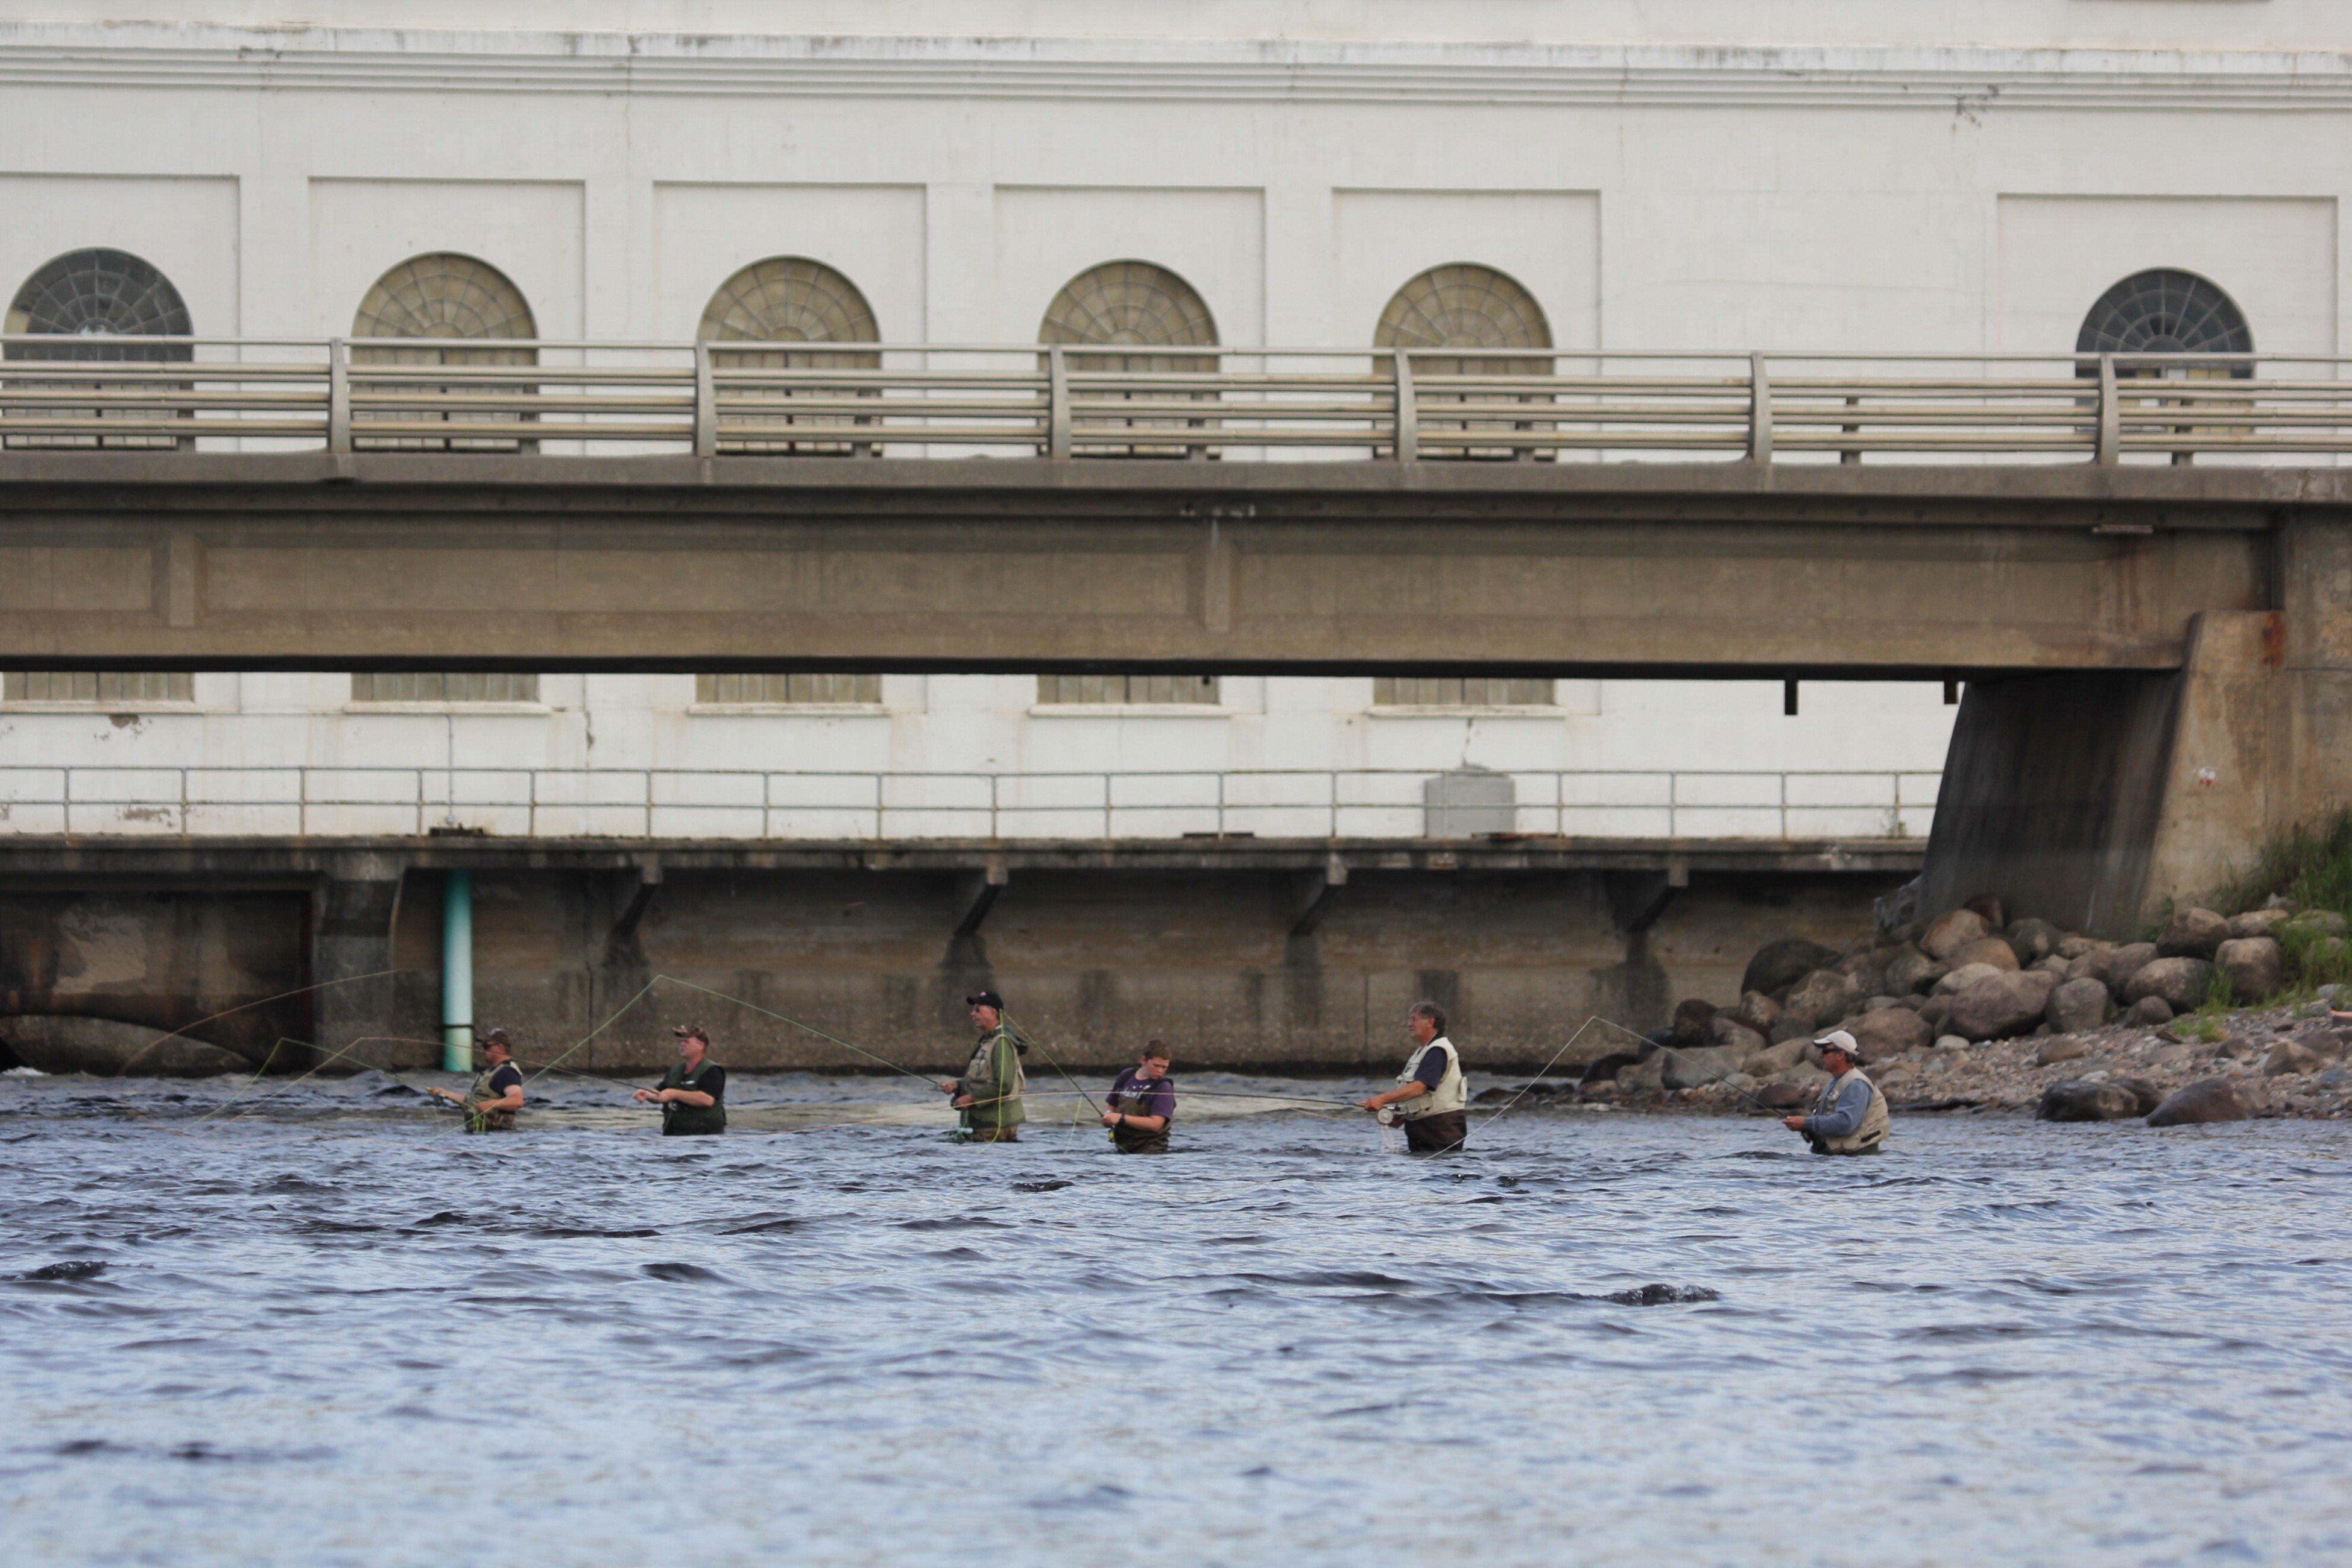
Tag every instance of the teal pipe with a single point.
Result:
(457, 972)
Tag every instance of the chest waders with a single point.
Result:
(690, 1120)
(479, 1120)
(1136, 1140)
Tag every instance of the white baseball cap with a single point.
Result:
(1841, 1041)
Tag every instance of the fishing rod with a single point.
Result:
(315, 1067)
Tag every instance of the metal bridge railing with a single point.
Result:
(658, 803)
(873, 399)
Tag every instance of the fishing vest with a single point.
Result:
(1864, 1139)
(989, 1106)
(487, 1122)
(1136, 1140)
(690, 1120)
(1449, 1094)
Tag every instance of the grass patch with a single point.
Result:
(2310, 864)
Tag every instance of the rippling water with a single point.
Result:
(332, 1331)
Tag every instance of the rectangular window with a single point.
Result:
(1460, 691)
(788, 689)
(99, 686)
(1058, 689)
(438, 686)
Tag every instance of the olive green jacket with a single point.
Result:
(994, 1080)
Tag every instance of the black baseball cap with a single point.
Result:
(690, 1032)
(985, 999)
(497, 1037)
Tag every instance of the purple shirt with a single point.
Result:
(1155, 1096)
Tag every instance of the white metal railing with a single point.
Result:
(871, 399)
(702, 803)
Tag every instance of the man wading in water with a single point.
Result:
(989, 1092)
(491, 1105)
(1142, 1104)
(1428, 1091)
(1850, 1117)
(693, 1094)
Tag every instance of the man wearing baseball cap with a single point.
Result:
(989, 1092)
(1850, 1117)
(693, 1094)
(491, 1105)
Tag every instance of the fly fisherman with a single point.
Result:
(1429, 1095)
(693, 1094)
(1142, 1102)
(491, 1105)
(1850, 1117)
(989, 1092)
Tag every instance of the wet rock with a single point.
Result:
(1987, 907)
(1911, 970)
(2290, 1056)
(1947, 934)
(1727, 1033)
(1606, 1069)
(2208, 1099)
(1886, 1030)
(1781, 1096)
(1778, 1058)
(1647, 1075)
(1691, 1069)
(2116, 965)
(1989, 950)
(1692, 1016)
(1822, 997)
(2060, 1048)
(2078, 1005)
(1757, 1010)
(2081, 1099)
(1963, 977)
(1781, 964)
(2148, 1013)
(2181, 982)
(2149, 1095)
(2004, 1006)
(2253, 965)
(2081, 946)
(2033, 940)
(2258, 923)
(2192, 934)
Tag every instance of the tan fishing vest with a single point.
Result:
(1449, 1094)
(487, 1122)
(986, 1110)
(1864, 1139)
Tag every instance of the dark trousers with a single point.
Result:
(1436, 1134)
(995, 1134)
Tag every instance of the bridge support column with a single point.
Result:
(2093, 800)
(351, 960)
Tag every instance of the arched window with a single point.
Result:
(1136, 305)
(80, 296)
(1462, 305)
(438, 298)
(2164, 311)
(788, 299)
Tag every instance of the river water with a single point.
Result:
(325, 1328)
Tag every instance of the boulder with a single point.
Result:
(1951, 1042)
(1646, 1075)
(2147, 1093)
(1782, 1096)
(1822, 997)
(1778, 1058)
(1934, 1011)
(1692, 1016)
(1991, 949)
(1781, 964)
(2148, 1013)
(1947, 934)
(2253, 965)
(2258, 923)
(2319, 922)
(2060, 1048)
(2191, 932)
(1757, 1010)
(2033, 940)
(1694, 1069)
(1988, 908)
(2207, 1099)
(2167, 1059)
(2064, 968)
(2181, 982)
(1727, 1033)
(2081, 946)
(2118, 965)
(2331, 1044)
(2002, 1006)
(2081, 1099)
(2077, 1005)
(1911, 970)
(1885, 1031)
(1785, 1029)
(1809, 1078)
(1960, 979)
(2290, 1056)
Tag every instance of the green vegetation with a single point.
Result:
(2312, 865)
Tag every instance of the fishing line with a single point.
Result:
(290, 1083)
(242, 1007)
(795, 1023)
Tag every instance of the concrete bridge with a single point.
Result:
(2158, 658)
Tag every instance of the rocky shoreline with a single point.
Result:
(1964, 1013)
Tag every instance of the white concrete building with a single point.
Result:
(1984, 175)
